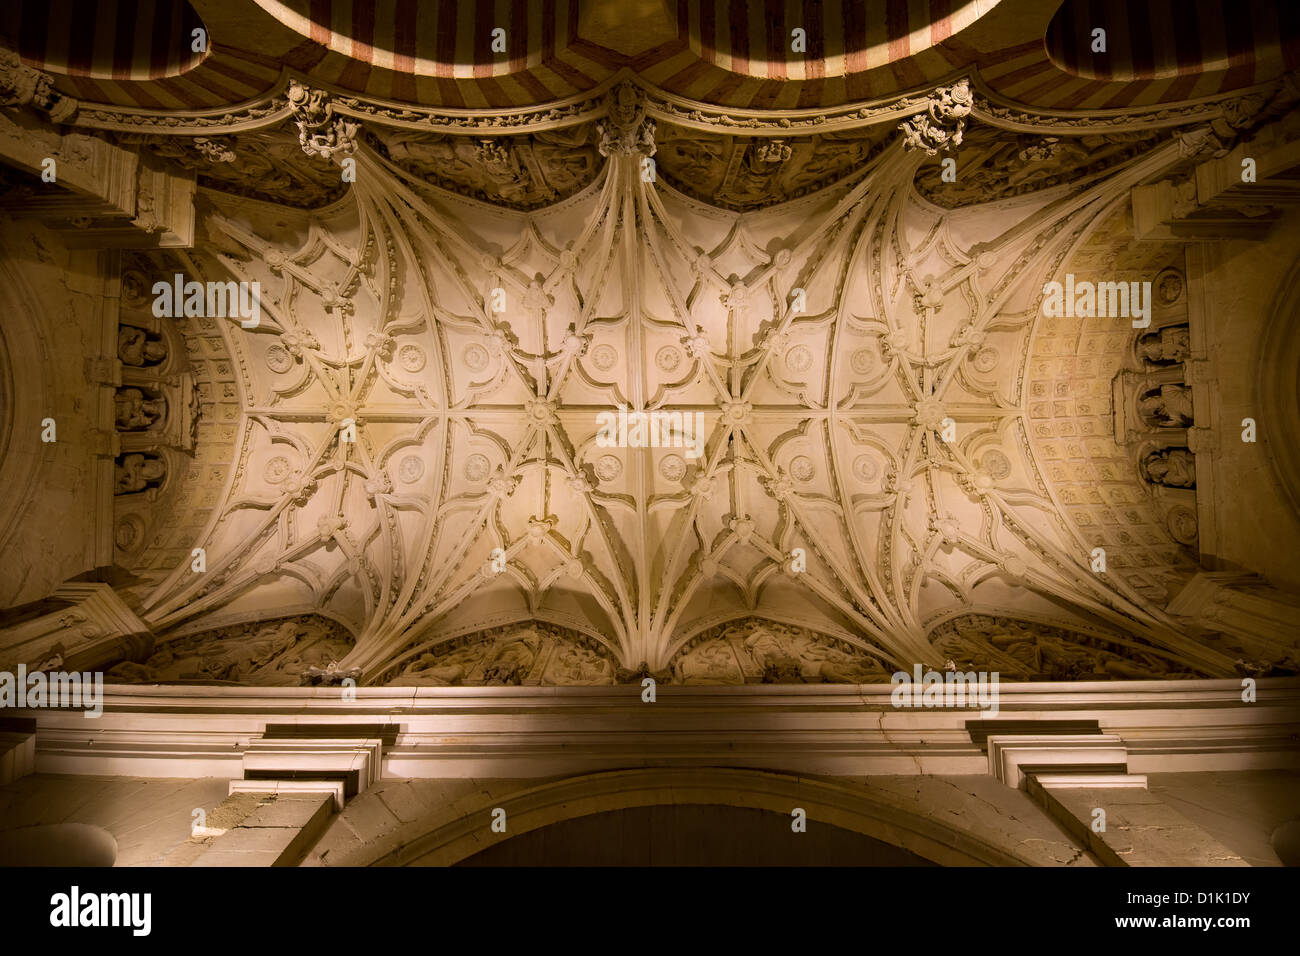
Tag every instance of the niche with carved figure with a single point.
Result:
(139, 409)
(1170, 473)
(138, 348)
(1170, 345)
(1169, 468)
(138, 473)
(1166, 406)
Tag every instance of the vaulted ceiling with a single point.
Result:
(822, 411)
(858, 336)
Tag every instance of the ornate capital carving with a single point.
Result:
(625, 128)
(20, 85)
(320, 132)
(943, 122)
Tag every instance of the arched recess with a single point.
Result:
(58, 844)
(691, 834)
(849, 807)
(24, 405)
(1278, 384)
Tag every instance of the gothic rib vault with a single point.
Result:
(902, 458)
(476, 430)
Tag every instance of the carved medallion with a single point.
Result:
(986, 359)
(277, 469)
(608, 468)
(477, 468)
(866, 468)
(412, 357)
(668, 358)
(996, 464)
(476, 357)
(672, 467)
(410, 469)
(1168, 286)
(1183, 526)
(129, 532)
(798, 359)
(278, 359)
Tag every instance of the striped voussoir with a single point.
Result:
(741, 54)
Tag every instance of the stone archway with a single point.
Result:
(692, 834)
(450, 837)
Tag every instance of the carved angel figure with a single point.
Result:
(136, 472)
(1173, 468)
(1168, 407)
(134, 412)
(135, 348)
(709, 663)
(1167, 346)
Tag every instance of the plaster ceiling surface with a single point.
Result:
(853, 362)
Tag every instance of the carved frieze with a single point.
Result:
(742, 172)
(532, 653)
(996, 164)
(754, 650)
(523, 171)
(1025, 650)
(267, 164)
(275, 653)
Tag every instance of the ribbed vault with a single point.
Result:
(854, 362)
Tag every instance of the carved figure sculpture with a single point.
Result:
(135, 472)
(1167, 346)
(135, 348)
(133, 411)
(1170, 406)
(1173, 468)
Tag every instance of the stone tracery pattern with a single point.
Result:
(475, 430)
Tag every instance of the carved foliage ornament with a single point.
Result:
(626, 129)
(320, 132)
(20, 85)
(943, 122)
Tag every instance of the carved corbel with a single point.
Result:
(941, 125)
(21, 85)
(320, 131)
(626, 129)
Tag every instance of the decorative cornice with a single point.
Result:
(994, 109)
(197, 731)
(984, 104)
(267, 110)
